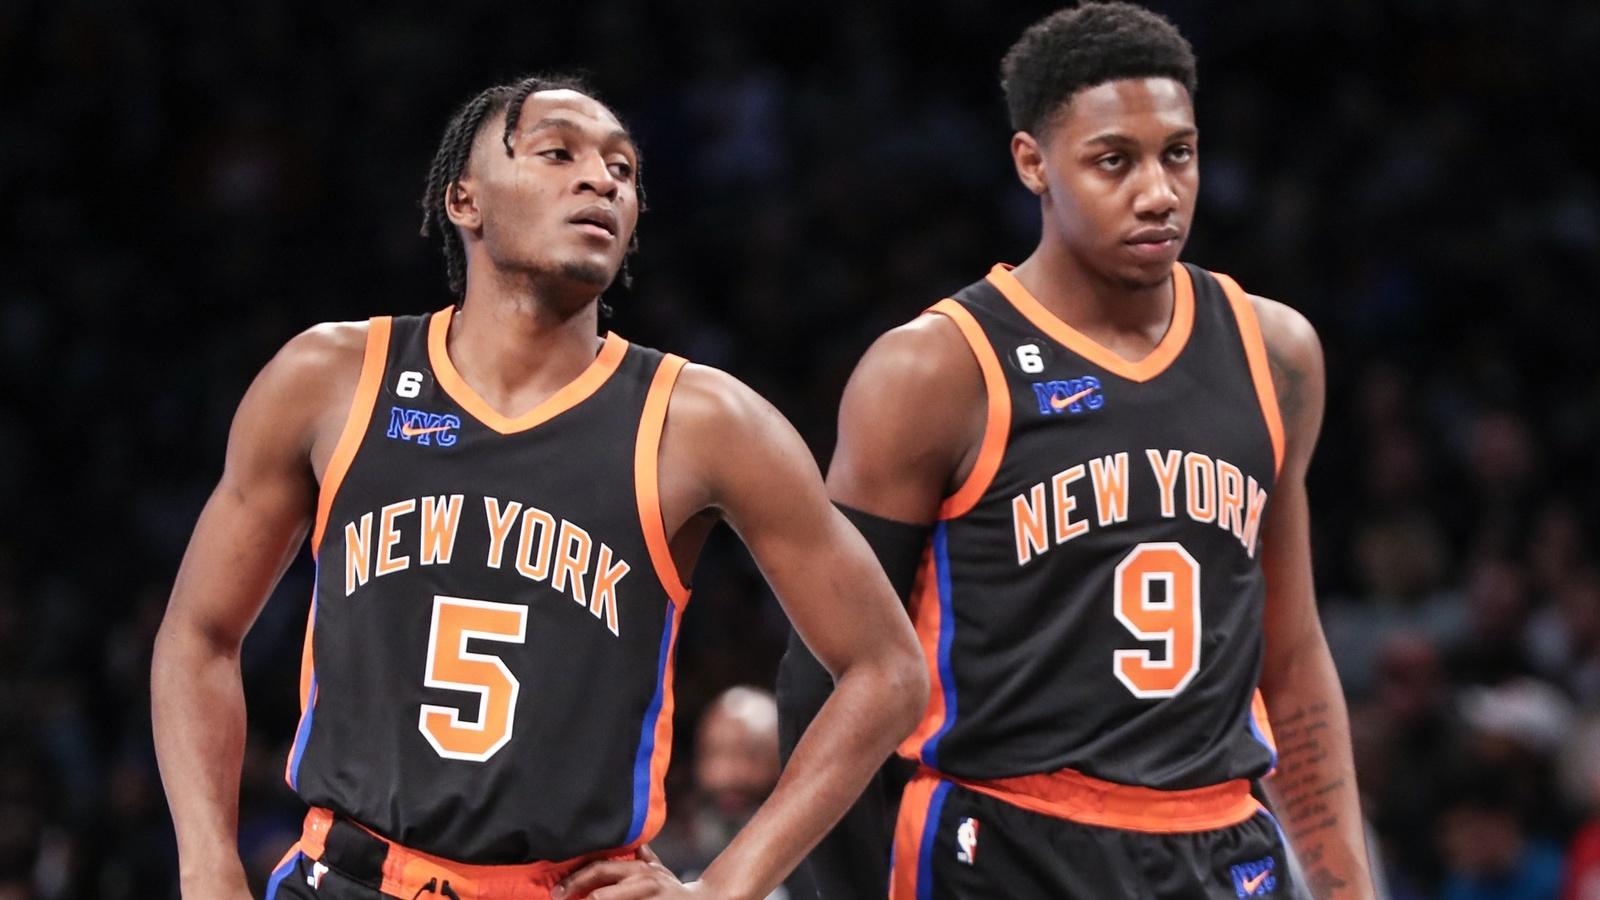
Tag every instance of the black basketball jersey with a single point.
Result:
(1091, 598)
(488, 666)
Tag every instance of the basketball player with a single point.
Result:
(1088, 473)
(503, 509)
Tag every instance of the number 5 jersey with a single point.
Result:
(487, 672)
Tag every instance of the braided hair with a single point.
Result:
(450, 162)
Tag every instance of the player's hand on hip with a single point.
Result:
(628, 879)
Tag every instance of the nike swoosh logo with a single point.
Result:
(1251, 884)
(408, 431)
(1059, 403)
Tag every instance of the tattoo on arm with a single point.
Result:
(1303, 786)
(1288, 383)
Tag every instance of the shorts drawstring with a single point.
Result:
(434, 887)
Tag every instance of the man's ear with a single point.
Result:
(461, 203)
(1028, 157)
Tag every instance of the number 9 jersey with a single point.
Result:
(1091, 598)
(487, 672)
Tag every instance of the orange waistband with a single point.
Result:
(407, 871)
(1073, 795)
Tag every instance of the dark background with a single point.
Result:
(186, 187)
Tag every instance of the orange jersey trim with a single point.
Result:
(925, 615)
(646, 481)
(286, 857)
(997, 424)
(1255, 350)
(574, 392)
(406, 872)
(647, 488)
(1156, 362)
(355, 423)
(1080, 798)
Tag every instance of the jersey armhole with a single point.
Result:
(998, 420)
(1261, 727)
(1255, 351)
(646, 484)
(355, 423)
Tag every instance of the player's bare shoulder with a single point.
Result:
(915, 405)
(724, 448)
(328, 342)
(1294, 354)
(303, 393)
(714, 420)
(926, 352)
(707, 399)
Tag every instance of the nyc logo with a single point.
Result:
(1074, 396)
(1254, 879)
(422, 427)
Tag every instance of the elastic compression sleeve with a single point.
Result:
(853, 860)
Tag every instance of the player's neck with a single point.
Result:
(515, 348)
(1090, 302)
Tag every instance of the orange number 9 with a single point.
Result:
(1174, 619)
(451, 666)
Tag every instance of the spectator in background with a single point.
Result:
(1558, 544)
(1563, 638)
(1487, 851)
(1490, 651)
(1401, 735)
(1501, 810)
(1399, 561)
(735, 768)
(1518, 729)
(1581, 766)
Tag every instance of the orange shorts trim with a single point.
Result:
(407, 871)
(917, 815)
(1080, 798)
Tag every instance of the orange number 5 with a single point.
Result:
(451, 666)
(1173, 619)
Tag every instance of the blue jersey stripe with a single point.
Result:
(647, 737)
(303, 734)
(947, 629)
(280, 873)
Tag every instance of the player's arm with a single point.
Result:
(911, 413)
(1314, 789)
(725, 449)
(910, 423)
(248, 533)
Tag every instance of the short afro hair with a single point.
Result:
(1076, 48)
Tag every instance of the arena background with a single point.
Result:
(187, 187)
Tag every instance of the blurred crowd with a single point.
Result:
(188, 187)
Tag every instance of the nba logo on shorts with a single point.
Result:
(967, 841)
(317, 871)
(1254, 879)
